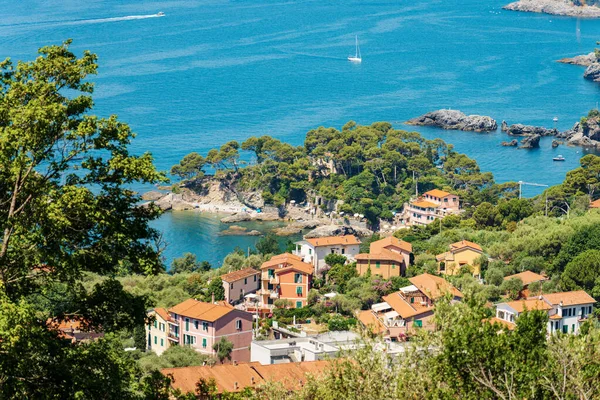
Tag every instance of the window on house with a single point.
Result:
(573, 328)
(245, 281)
(589, 309)
(556, 326)
(412, 299)
(162, 342)
(187, 324)
(565, 328)
(255, 278)
(297, 278)
(343, 251)
(377, 264)
(196, 324)
(269, 286)
(309, 252)
(204, 343)
(155, 340)
(155, 324)
(512, 317)
(393, 266)
(501, 314)
(231, 286)
(298, 304)
(205, 326)
(332, 251)
(238, 324)
(299, 290)
(271, 273)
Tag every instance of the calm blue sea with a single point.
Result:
(211, 71)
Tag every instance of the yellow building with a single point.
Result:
(463, 253)
(388, 257)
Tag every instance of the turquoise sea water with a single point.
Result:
(211, 71)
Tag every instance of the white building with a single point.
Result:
(566, 310)
(314, 250)
(290, 350)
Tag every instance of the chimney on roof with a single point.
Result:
(213, 298)
(301, 383)
(561, 303)
(235, 362)
(235, 385)
(252, 380)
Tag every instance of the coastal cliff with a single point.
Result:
(455, 120)
(570, 8)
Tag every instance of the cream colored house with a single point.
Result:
(463, 253)
(157, 332)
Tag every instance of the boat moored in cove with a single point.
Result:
(559, 158)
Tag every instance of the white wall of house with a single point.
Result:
(236, 290)
(316, 256)
(570, 315)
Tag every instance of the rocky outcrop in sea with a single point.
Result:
(586, 134)
(455, 120)
(593, 72)
(584, 60)
(555, 7)
(527, 130)
(512, 143)
(530, 142)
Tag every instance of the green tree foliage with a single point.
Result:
(494, 276)
(223, 348)
(190, 167)
(66, 210)
(268, 245)
(512, 287)
(370, 168)
(335, 259)
(583, 272)
(173, 357)
(216, 289)
(187, 263)
(340, 274)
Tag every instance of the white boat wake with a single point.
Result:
(85, 21)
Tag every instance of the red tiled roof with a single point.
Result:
(437, 193)
(465, 243)
(595, 204)
(390, 241)
(287, 262)
(239, 275)
(529, 304)
(333, 240)
(403, 307)
(424, 204)
(434, 286)
(569, 298)
(370, 320)
(163, 313)
(235, 378)
(199, 310)
(527, 277)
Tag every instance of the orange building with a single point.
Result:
(387, 257)
(285, 276)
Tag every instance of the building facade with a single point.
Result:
(463, 253)
(313, 251)
(409, 308)
(157, 332)
(566, 310)
(285, 276)
(200, 325)
(432, 205)
(237, 284)
(387, 257)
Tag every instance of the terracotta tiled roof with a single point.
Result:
(235, 378)
(424, 204)
(288, 261)
(437, 193)
(284, 258)
(595, 204)
(199, 310)
(527, 277)
(434, 286)
(292, 375)
(569, 298)
(465, 243)
(383, 255)
(368, 319)
(163, 313)
(230, 378)
(509, 325)
(404, 308)
(239, 275)
(333, 240)
(443, 256)
(530, 304)
(390, 241)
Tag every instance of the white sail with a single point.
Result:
(357, 57)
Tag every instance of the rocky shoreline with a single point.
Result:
(555, 7)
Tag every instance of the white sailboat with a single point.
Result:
(357, 58)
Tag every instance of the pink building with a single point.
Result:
(201, 325)
(237, 284)
(430, 206)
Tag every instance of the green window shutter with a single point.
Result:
(162, 342)
(377, 264)
(298, 304)
(155, 340)
(155, 323)
(187, 324)
(419, 323)
(204, 343)
(299, 290)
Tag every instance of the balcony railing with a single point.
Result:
(173, 336)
